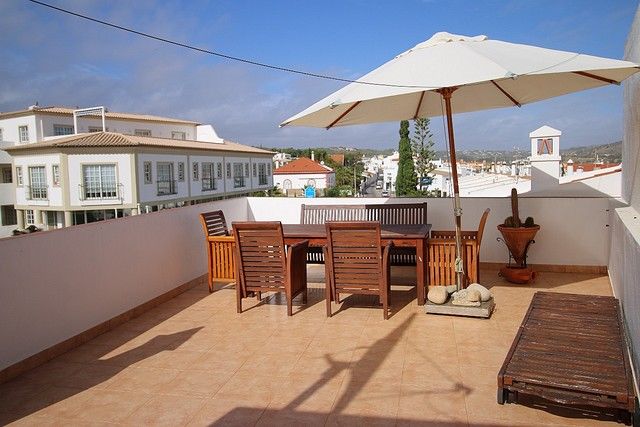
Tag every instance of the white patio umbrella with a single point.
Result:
(465, 74)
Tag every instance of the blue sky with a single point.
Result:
(57, 59)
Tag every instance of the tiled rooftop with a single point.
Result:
(195, 361)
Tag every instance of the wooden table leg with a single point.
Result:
(421, 262)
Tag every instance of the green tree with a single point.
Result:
(422, 146)
(406, 179)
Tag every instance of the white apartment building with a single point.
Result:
(55, 178)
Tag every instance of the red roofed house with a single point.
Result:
(303, 172)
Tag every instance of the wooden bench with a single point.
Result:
(571, 349)
(392, 213)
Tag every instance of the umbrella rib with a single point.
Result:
(415, 116)
(505, 93)
(343, 114)
(593, 76)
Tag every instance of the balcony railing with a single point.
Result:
(208, 184)
(167, 187)
(238, 181)
(107, 192)
(36, 192)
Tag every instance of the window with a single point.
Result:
(164, 178)
(99, 182)
(246, 170)
(23, 133)
(255, 173)
(194, 171)
(146, 167)
(178, 135)
(37, 183)
(545, 146)
(9, 216)
(219, 174)
(55, 174)
(62, 130)
(238, 177)
(29, 217)
(180, 171)
(142, 132)
(19, 181)
(228, 170)
(311, 183)
(208, 180)
(268, 168)
(6, 176)
(262, 174)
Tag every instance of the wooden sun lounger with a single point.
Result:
(571, 350)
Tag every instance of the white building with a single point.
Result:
(281, 159)
(143, 163)
(303, 172)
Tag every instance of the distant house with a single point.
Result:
(303, 172)
(60, 168)
(337, 158)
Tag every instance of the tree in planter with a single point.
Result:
(423, 151)
(406, 179)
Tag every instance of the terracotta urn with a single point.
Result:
(517, 239)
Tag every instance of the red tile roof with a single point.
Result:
(302, 165)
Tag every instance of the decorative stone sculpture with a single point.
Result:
(473, 295)
(461, 297)
(485, 294)
(437, 294)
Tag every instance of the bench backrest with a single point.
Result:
(397, 213)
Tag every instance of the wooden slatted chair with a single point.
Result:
(442, 255)
(356, 263)
(264, 264)
(220, 246)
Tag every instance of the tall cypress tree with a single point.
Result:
(406, 180)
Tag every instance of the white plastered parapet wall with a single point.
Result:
(624, 268)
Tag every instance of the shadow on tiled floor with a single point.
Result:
(195, 361)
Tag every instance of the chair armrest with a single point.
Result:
(220, 239)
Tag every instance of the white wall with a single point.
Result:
(54, 193)
(299, 181)
(123, 175)
(160, 130)
(56, 284)
(630, 145)
(624, 268)
(10, 128)
(573, 230)
(149, 192)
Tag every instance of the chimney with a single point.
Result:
(570, 167)
(312, 155)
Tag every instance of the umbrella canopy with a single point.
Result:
(488, 74)
(454, 74)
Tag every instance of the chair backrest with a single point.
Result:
(398, 213)
(319, 214)
(483, 222)
(260, 254)
(214, 223)
(355, 253)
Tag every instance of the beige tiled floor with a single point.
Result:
(194, 361)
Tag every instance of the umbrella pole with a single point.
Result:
(457, 211)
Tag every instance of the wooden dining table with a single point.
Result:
(409, 235)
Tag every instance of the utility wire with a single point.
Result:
(218, 54)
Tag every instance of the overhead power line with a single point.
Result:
(211, 52)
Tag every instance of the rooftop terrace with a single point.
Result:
(194, 361)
